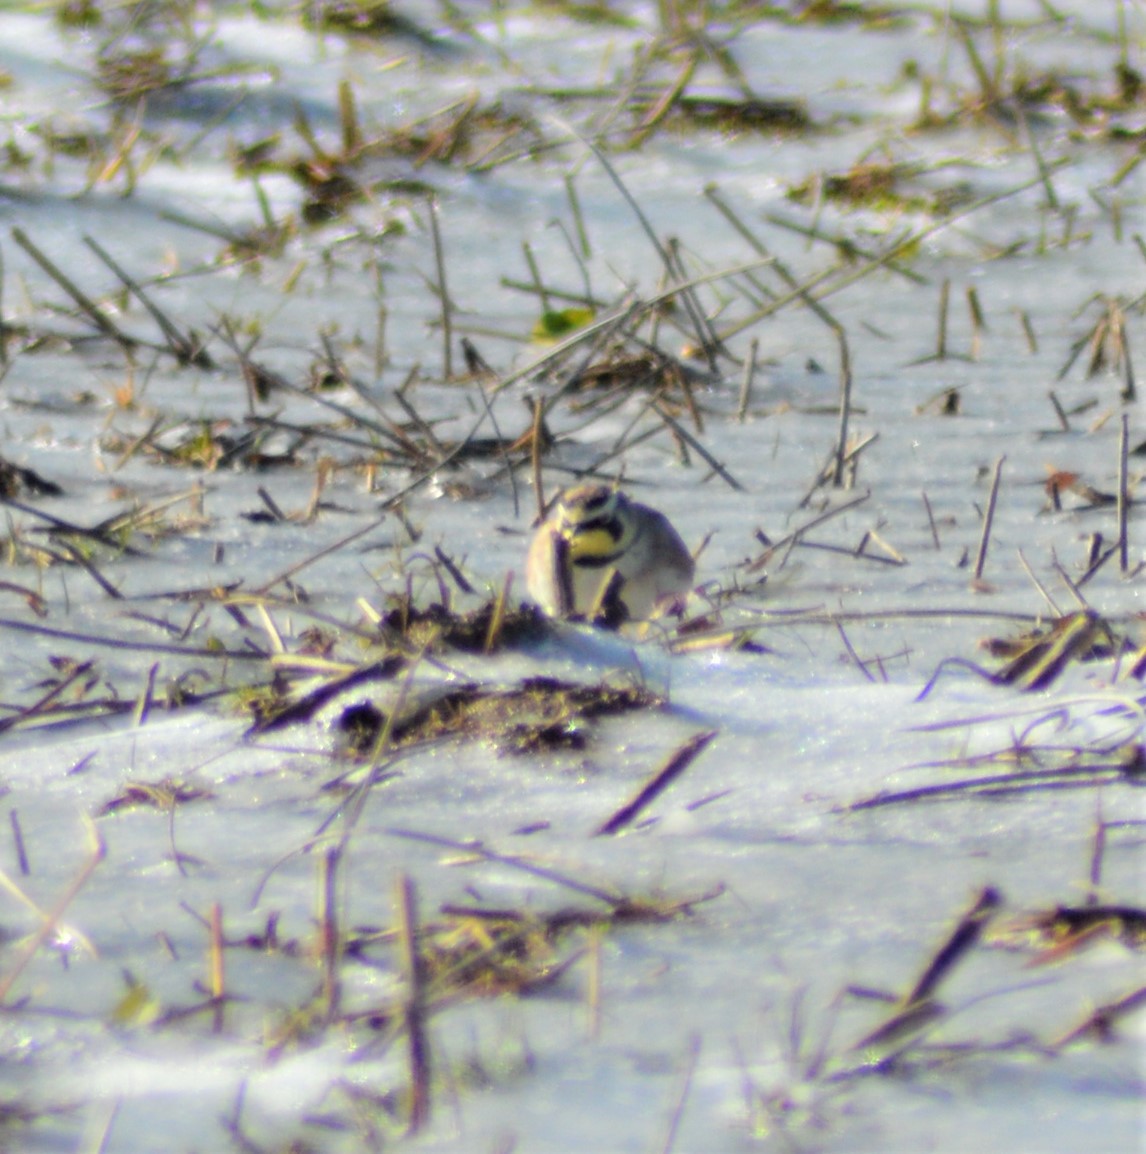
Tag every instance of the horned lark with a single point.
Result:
(599, 551)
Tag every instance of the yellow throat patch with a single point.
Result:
(586, 544)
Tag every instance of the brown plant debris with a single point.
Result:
(1107, 345)
(16, 480)
(1063, 930)
(362, 18)
(126, 76)
(477, 951)
(467, 132)
(750, 114)
(274, 707)
(539, 714)
(164, 795)
(1036, 659)
(917, 1010)
(1060, 481)
(468, 632)
(677, 763)
(210, 446)
(878, 185)
(1099, 1025)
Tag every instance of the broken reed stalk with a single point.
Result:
(627, 314)
(98, 532)
(586, 250)
(1124, 496)
(799, 292)
(185, 349)
(988, 518)
(957, 944)
(56, 691)
(845, 404)
(917, 1009)
(840, 243)
(1036, 155)
(1000, 785)
(681, 1097)
(1029, 332)
(978, 324)
(414, 1008)
(1099, 1023)
(941, 335)
(612, 900)
(71, 553)
(18, 843)
(143, 705)
(680, 276)
(678, 287)
(443, 293)
(593, 962)
(49, 924)
(137, 646)
(329, 941)
(480, 371)
(3, 326)
(859, 664)
(694, 444)
(1060, 412)
(218, 971)
(746, 381)
(497, 616)
(1054, 608)
(931, 521)
(535, 455)
(845, 274)
(677, 763)
(86, 304)
(790, 540)
(535, 275)
(1096, 854)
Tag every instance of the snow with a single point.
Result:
(804, 896)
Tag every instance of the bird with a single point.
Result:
(602, 556)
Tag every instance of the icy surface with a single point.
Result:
(745, 992)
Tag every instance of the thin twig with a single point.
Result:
(693, 443)
(86, 304)
(49, 924)
(185, 349)
(330, 941)
(682, 1093)
(746, 381)
(989, 517)
(418, 1046)
(961, 939)
(1124, 496)
(443, 293)
(677, 763)
(931, 521)
(473, 847)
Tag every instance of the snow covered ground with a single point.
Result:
(729, 1025)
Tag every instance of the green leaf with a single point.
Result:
(557, 323)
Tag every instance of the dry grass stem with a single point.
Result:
(988, 521)
(418, 1046)
(51, 922)
(677, 763)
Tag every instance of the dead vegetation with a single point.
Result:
(415, 661)
(539, 715)
(916, 1034)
